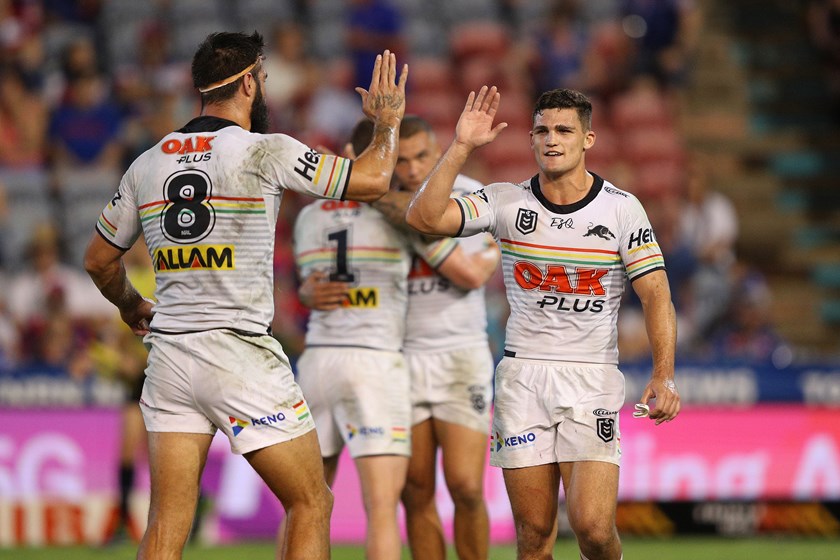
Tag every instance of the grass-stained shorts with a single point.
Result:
(359, 398)
(554, 412)
(218, 379)
(455, 386)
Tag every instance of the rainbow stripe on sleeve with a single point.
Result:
(437, 252)
(339, 169)
(468, 206)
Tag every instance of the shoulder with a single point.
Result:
(465, 185)
(619, 197)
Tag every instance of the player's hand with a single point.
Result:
(385, 100)
(316, 292)
(139, 316)
(475, 126)
(667, 399)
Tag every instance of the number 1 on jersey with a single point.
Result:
(341, 272)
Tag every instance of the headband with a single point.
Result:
(226, 81)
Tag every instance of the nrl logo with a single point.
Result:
(526, 221)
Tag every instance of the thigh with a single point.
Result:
(293, 470)
(534, 494)
(421, 467)
(176, 461)
(464, 454)
(382, 478)
(591, 491)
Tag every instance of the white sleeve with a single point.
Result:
(477, 212)
(119, 222)
(639, 250)
(290, 164)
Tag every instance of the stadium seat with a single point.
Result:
(478, 38)
(27, 195)
(431, 74)
(262, 14)
(82, 194)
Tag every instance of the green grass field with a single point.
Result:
(648, 549)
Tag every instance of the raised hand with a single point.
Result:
(475, 126)
(385, 100)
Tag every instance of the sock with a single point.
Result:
(126, 484)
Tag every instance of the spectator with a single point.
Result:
(561, 49)
(709, 227)
(824, 29)
(30, 290)
(749, 335)
(23, 121)
(373, 25)
(84, 129)
(293, 77)
(666, 34)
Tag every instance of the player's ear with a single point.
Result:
(589, 140)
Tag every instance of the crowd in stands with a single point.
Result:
(87, 85)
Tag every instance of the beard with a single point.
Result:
(259, 112)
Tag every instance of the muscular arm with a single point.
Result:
(470, 271)
(103, 262)
(661, 327)
(394, 206)
(384, 104)
(431, 210)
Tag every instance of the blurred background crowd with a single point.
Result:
(721, 117)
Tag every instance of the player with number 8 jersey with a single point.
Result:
(206, 198)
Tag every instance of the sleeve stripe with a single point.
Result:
(329, 180)
(442, 258)
(646, 272)
(346, 179)
(108, 241)
(463, 219)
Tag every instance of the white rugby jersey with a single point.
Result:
(442, 316)
(206, 199)
(355, 244)
(564, 265)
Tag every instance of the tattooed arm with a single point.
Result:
(384, 104)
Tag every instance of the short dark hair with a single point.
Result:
(222, 55)
(412, 124)
(566, 99)
(361, 136)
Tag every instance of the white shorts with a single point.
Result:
(217, 379)
(358, 397)
(454, 386)
(555, 412)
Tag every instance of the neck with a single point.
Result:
(232, 112)
(566, 188)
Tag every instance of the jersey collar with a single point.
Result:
(205, 124)
(566, 208)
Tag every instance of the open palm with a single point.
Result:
(475, 126)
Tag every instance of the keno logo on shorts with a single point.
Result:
(526, 221)
(606, 429)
